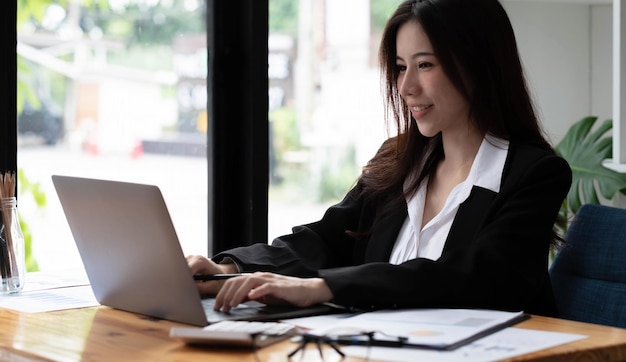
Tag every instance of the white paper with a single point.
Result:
(55, 279)
(432, 327)
(507, 343)
(50, 299)
(50, 291)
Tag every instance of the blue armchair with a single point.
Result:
(589, 273)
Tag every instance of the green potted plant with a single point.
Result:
(585, 149)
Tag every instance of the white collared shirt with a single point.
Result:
(416, 242)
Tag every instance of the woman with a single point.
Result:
(457, 210)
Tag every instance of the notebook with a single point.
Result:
(133, 258)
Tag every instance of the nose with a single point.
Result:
(408, 83)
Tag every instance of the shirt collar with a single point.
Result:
(486, 171)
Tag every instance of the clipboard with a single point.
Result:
(432, 329)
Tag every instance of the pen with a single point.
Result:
(364, 341)
(208, 277)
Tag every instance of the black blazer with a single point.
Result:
(495, 256)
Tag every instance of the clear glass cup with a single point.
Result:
(12, 257)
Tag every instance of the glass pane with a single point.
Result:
(112, 89)
(326, 109)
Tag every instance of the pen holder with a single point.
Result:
(12, 257)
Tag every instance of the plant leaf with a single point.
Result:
(585, 150)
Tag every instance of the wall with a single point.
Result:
(602, 61)
(566, 51)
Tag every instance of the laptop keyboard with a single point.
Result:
(255, 311)
(246, 311)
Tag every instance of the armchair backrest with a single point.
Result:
(589, 273)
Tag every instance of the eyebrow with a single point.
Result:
(417, 55)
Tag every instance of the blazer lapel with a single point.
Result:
(468, 221)
(384, 236)
(469, 218)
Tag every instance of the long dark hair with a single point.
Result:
(475, 44)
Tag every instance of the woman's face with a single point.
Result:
(435, 103)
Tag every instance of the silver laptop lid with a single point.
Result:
(129, 248)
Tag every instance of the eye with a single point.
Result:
(400, 68)
(425, 65)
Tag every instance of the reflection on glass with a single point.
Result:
(116, 89)
(326, 111)
(112, 89)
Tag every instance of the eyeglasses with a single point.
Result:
(334, 339)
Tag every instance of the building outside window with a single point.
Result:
(116, 89)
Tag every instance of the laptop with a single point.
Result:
(134, 261)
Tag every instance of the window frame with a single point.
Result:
(238, 146)
(8, 93)
(238, 151)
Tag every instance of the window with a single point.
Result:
(134, 105)
(113, 90)
(325, 107)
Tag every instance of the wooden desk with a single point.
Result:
(104, 334)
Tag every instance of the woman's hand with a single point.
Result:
(201, 265)
(272, 289)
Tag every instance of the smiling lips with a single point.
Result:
(420, 108)
(419, 111)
